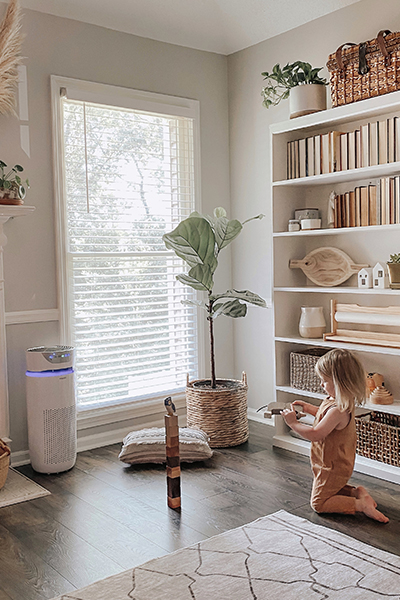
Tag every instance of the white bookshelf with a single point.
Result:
(291, 288)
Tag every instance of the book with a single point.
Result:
(317, 155)
(352, 209)
(364, 145)
(289, 161)
(310, 156)
(357, 195)
(302, 157)
(397, 198)
(344, 161)
(334, 149)
(372, 205)
(396, 139)
(346, 209)
(392, 215)
(336, 211)
(382, 142)
(325, 153)
(351, 155)
(296, 169)
(391, 140)
(364, 206)
(373, 144)
(358, 149)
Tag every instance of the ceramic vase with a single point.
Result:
(312, 322)
(306, 99)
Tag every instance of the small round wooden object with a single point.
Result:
(381, 395)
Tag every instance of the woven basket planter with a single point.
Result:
(4, 462)
(220, 412)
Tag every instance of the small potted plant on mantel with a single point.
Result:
(394, 271)
(300, 83)
(12, 187)
(217, 406)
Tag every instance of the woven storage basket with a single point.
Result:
(365, 70)
(378, 440)
(4, 462)
(302, 370)
(221, 413)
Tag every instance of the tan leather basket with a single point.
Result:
(360, 71)
(4, 462)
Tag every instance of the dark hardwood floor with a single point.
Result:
(103, 517)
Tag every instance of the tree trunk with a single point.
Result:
(212, 356)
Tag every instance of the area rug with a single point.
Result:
(19, 488)
(277, 557)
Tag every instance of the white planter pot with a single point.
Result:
(306, 99)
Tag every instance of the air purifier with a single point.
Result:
(51, 408)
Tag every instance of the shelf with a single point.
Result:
(362, 465)
(329, 344)
(338, 290)
(374, 172)
(392, 409)
(337, 231)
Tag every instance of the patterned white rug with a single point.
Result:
(19, 488)
(279, 556)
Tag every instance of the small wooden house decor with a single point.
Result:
(365, 278)
(379, 276)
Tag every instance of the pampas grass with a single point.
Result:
(10, 47)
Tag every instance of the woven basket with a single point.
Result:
(365, 70)
(221, 413)
(302, 370)
(4, 462)
(378, 440)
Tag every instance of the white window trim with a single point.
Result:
(126, 98)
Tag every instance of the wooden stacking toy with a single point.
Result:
(172, 456)
(380, 395)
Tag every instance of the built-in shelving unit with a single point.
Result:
(369, 245)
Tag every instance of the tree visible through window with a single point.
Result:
(129, 178)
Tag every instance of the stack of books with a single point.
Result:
(374, 143)
(369, 205)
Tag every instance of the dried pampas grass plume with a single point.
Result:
(10, 47)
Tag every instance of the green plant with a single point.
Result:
(394, 258)
(12, 182)
(281, 80)
(198, 240)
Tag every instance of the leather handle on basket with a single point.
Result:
(338, 54)
(4, 449)
(381, 42)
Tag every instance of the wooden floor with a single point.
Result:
(103, 517)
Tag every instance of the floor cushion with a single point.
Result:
(148, 446)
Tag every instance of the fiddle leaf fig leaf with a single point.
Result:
(193, 240)
(199, 278)
(232, 308)
(226, 231)
(194, 303)
(244, 295)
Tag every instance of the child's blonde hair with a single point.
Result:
(347, 374)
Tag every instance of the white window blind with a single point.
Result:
(129, 178)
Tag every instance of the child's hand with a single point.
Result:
(289, 416)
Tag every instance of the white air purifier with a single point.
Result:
(51, 408)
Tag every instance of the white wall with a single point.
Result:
(64, 47)
(249, 147)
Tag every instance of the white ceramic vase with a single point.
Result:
(306, 99)
(312, 322)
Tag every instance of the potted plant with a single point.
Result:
(394, 271)
(300, 83)
(12, 187)
(218, 406)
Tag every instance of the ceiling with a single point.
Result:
(222, 26)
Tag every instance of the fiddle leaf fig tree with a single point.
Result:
(198, 240)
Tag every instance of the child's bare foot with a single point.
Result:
(361, 492)
(367, 505)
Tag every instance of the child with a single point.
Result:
(333, 437)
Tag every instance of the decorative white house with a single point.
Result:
(380, 276)
(365, 278)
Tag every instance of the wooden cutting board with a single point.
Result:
(327, 266)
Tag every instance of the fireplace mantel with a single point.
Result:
(6, 212)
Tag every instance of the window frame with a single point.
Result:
(120, 97)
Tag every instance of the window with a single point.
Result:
(126, 163)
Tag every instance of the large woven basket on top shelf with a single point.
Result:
(220, 412)
(4, 462)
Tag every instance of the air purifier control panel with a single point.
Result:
(49, 358)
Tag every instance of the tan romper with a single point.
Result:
(332, 463)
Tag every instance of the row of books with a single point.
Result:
(369, 205)
(372, 144)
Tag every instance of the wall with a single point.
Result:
(250, 162)
(64, 47)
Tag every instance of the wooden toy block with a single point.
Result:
(173, 472)
(172, 441)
